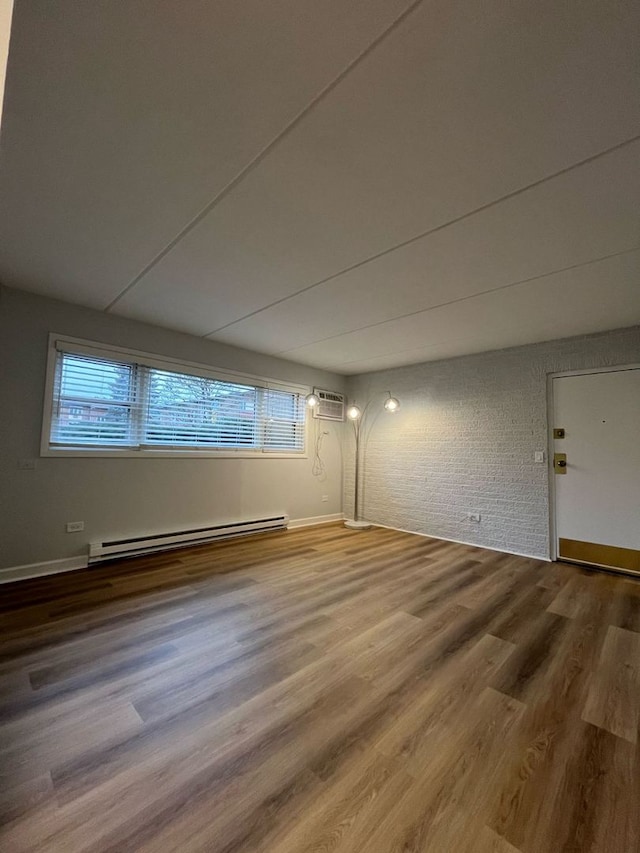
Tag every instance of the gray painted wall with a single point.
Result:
(465, 437)
(124, 497)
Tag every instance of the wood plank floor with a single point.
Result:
(321, 690)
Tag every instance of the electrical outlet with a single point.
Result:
(324, 498)
(27, 464)
(539, 456)
(75, 526)
(474, 516)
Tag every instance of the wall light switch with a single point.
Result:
(27, 464)
(539, 455)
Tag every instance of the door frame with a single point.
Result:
(553, 529)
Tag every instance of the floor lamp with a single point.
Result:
(357, 418)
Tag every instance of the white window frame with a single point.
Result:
(102, 350)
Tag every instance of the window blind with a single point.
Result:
(109, 403)
(94, 402)
(283, 420)
(192, 411)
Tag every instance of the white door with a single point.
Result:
(597, 491)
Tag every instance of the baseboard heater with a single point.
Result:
(138, 545)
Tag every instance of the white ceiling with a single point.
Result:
(349, 185)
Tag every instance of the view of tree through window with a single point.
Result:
(95, 401)
(99, 402)
(197, 410)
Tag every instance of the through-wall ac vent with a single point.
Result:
(133, 547)
(330, 407)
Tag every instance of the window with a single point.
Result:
(94, 402)
(103, 401)
(195, 411)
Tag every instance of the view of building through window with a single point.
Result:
(100, 402)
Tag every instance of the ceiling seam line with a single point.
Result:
(263, 153)
(449, 357)
(528, 280)
(446, 358)
(578, 164)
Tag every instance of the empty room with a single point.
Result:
(320, 426)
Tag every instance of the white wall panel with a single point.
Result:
(125, 497)
(464, 441)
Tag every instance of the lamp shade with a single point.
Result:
(392, 404)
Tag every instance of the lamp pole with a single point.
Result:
(356, 429)
(357, 418)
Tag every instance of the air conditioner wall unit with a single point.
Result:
(331, 405)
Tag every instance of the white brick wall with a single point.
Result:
(464, 441)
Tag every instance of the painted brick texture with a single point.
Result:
(464, 441)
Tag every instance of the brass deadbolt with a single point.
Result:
(560, 463)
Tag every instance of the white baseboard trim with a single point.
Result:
(462, 542)
(37, 570)
(69, 564)
(316, 519)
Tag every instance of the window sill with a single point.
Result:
(93, 453)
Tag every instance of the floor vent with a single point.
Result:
(137, 545)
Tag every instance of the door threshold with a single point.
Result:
(598, 567)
